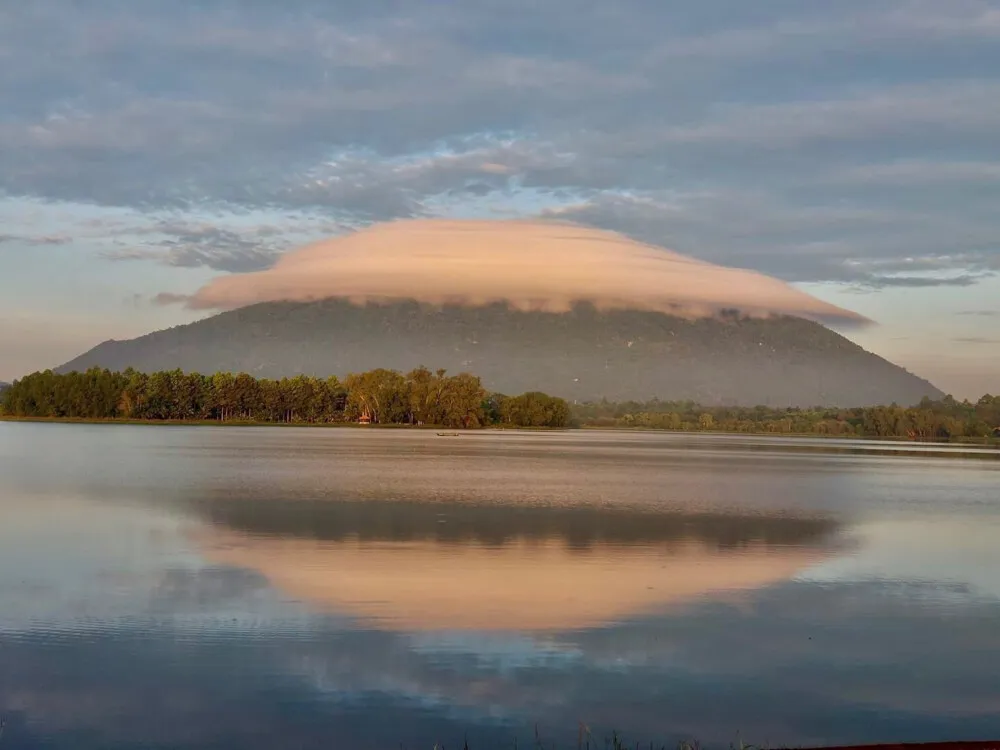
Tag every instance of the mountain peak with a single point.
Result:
(582, 354)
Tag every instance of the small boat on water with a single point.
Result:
(448, 434)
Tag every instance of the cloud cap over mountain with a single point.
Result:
(531, 265)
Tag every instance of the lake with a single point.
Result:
(231, 587)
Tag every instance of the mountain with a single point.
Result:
(584, 354)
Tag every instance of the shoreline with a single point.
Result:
(985, 442)
(222, 423)
(250, 423)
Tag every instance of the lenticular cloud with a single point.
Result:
(529, 265)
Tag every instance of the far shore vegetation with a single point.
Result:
(378, 397)
(388, 398)
(944, 419)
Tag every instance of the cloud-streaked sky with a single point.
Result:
(851, 148)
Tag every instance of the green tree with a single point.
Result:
(460, 402)
(535, 409)
(380, 394)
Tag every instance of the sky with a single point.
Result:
(850, 148)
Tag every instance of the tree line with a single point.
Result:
(942, 419)
(379, 396)
(421, 396)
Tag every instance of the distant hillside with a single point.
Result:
(583, 355)
(4, 386)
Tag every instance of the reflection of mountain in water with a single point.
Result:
(579, 527)
(449, 567)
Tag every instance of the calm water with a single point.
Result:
(263, 587)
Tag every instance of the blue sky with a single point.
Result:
(850, 147)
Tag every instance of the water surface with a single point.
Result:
(282, 587)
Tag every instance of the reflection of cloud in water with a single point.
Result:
(796, 664)
(526, 584)
(454, 566)
(125, 643)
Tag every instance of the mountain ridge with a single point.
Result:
(584, 354)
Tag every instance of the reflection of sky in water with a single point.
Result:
(115, 627)
(502, 652)
(937, 549)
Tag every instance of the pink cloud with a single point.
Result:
(528, 264)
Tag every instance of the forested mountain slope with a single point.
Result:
(584, 354)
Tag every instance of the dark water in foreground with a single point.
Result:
(263, 587)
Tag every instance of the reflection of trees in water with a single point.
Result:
(498, 525)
